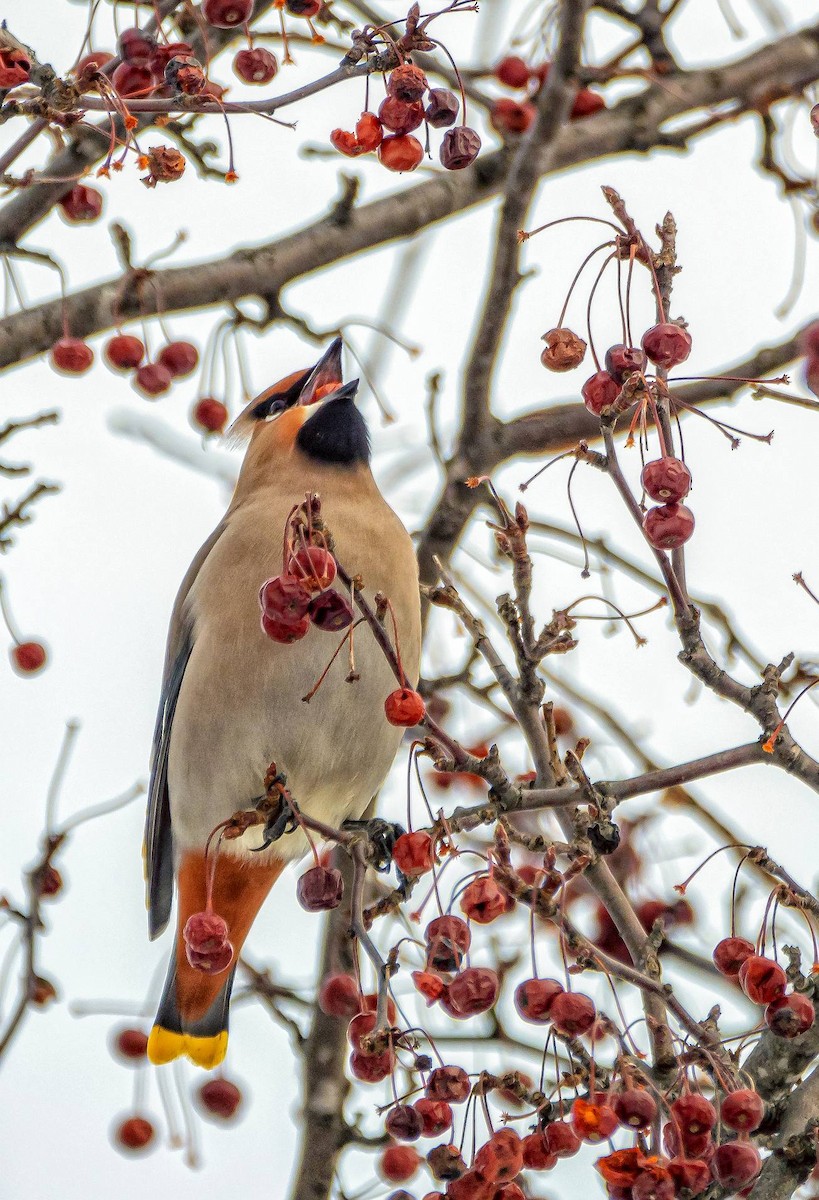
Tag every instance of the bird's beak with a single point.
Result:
(325, 377)
(347, 391)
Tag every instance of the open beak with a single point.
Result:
(325, 377)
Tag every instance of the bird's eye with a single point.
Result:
(275, 407)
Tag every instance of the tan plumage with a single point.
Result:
(239, 695)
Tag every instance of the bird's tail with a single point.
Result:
(192, 1018)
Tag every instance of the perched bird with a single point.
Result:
(232, 699)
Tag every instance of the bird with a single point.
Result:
(231, 700)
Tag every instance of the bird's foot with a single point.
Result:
(281, 819)
(382, 836)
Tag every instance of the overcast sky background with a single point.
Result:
(96, 572)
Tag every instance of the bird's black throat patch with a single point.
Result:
(336, 433)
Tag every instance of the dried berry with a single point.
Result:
(788, 1016)
(572, 1014)
(472, 991)
(413, 854)
(404, 1123)
(448, 938)
(330, 612)
(284, 598)
(255, 65)
(14, 67)
(319, 889)
(534, 998)
(666, 479)
(227, 14)
(448, 1083)
(407, 83)
(459, 148)
(560, 1139)
(593, 1119)
(442, 108)
(164, 164)
(692, 1113)
(436, 1116)
(564, 350)
(285, 632)
(736, 1164)
(624, 360)
(483, 901)
(669, 526)
(501, 1158)
(600, 393)
(398, 116)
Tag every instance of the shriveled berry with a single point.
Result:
(71, 356)
(319, 889)
(635, 1107)
(346, 143)
(691, 1173)
(742, 1110)
(27, 658)
(736, 1164)
(693, 1113)
(442, 108)
(593, 1119)
(512, 71)
(483, 901)
(788, 1016)
(134, 1134)
(398, 116)
(436, 1116)
(180, 358)
(227, 14)
(471, 1186)
(564, 350)
(666, 479)
(338, 996)
(459, 148)
(400, 153)
(153, 379)
(624, 360)
(621, 1168)
(534, 998)
(404, 1123)
(185, 75)
(284, 598)
(81, 204)
(667, 344)
(285, 631)
(220, 1098)
(572, 1014)
(508, 116)
(429, 985)
(399, 1164)
(404, 707)
(669, 526)
(130, 1045)
(501, 1158)
(560, 1139)
(729, 955)
(209, 415)
(600, 392)
(413, 853)
(255, 65)
(448, 1083)
(124, 352)
(407, 82)
(448, 938)
(330, 612)
(761, 979)
(472, 991)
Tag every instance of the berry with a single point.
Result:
(761, 979)
(137, 47)
(41, 991)
(400, 153)
(483, 901)
(413, 853)
(255, 65)
(593, 1119)
(788, 1016)
(654, 1183)
(399, 116)
(471, 1186)
(692, 1113)
(448, 939)
(220, 1098)
(668, 526)
(153, 379)
(134, 1134)
(512, 72)
(472, 991)
(445, 1162)
(339, 996)
(667, 344)
(564, 350)
(81, 203)
(132, 79)
(399, 1163)
(14, 67)
(95, 60)
(501, 1158)
(586, 103)
(507, 116)
(635, 1107)
(560, 1139)
(621, 1168)
(27, 658)
(404, 1123)
(185, 75)
(71, 356)
(509, 1191)
(371, 1068)
(535, 1154)
(285, 632)
(736, 1164)
(404, 707)
(624, 360)
(209, 415)
(330, 612)
(534, 998)
(320, 888)
(730, 954)
(124, 352)
(572, 1014)
(284, 598)
(314, 567)
(131, 1045)
(180, 358)
(809, 340)
(407, 83)
(442, 108)
(666, 480)
(207, 945)
(227, 14)
(692, 1173)
(695, 1145)
(600, 392)
(164, 163)
(459, 148)
(742, 1110)
(369, 131)
(436, 1116)
(49, 882)
(448, 1083)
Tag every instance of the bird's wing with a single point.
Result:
(158, 839)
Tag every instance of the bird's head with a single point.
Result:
(310, 412)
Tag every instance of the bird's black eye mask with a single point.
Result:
(277, 402)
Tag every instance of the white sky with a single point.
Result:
(96, 572)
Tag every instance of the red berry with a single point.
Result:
(220, 1098)
(448, 938)
(695, 1145)
(560, 1139)
(402, 153)
(137, 47)
(130, 1044)
(28, 657)
(132, 79)
(512, 72)
(209, 415)
(471, 992)
(621, 1168)
(593, 1119)
(330, 612)
(124, 352)
(14, 67)
(442, 108)
(255, 65)
(346, 143)
(692, 1113)
(314, 567)
(586, 103)
(448, 1083)
(761, 979)
(285, 632)
(284, 598)
(436, 1116)
(788, 1016)
(666, 480)
(399, 116)
(535, 1154)
(742, 1110)
(624, 360)
(205, 931)
(735, 1164)
(572, 1014)
(730, 954)
(653, 1183)
(470, 1186)
(319, 889)
(339, 996)
(600, 392)
(407, 83)
(81, 203)
(368, 132)
(227, 14)
(501, 1158)
(669, 526)
(71, 356)
(691, 1173)
(509, 1191)
(371, 1068)
(667, 344)
(49, 882)
(483, 900)
(95, 60)
(180, 358)
(809, 340)
(635, 1107)
(399, 1163)
(413, 853)
(459, 148)
(507, 116)
(404, 707)
(404, 1123)
(534, 998)
(153, 379)
(134, 1134)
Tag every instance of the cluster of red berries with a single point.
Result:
(809, 345)
(462, 992)
(303, 595)
(509, 116)
(403, 111)
(764, 982)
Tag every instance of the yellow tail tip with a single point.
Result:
(164, 1046)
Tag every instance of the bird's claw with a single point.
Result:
(382, 836)
(280, 821)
